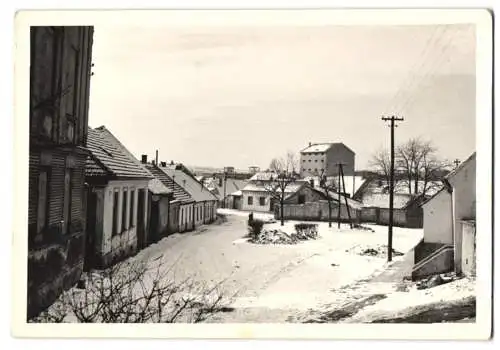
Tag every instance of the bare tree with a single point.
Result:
(432, 168)
(285, 173)
(416, 161)
(133, 292)
(381, 164)
(410, 156)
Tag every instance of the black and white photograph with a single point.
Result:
(254, 168)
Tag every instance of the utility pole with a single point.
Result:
(338, 190)
(345, 196)
(392, 119)
(224, 198)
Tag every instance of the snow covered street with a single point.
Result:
(274, 283)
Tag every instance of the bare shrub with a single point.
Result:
(132, 292)
(255, 228)
(306, 230)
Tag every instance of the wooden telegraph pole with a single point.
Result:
(338, 190)
(392, 119)
(341, 189)
(345, 197)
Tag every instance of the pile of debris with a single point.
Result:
(364, 228)
(277, 236)
(437, 280)
(379, 251)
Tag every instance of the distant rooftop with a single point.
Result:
(323, 147)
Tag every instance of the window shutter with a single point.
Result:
(67, 200)
(42, 201)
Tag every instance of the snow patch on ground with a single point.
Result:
(398, 303)
(256, 215)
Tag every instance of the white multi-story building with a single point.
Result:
(323, 158)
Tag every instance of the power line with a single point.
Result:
(418, 72)
(420, 59)
(437, 66)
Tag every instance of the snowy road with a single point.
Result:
(274, 282)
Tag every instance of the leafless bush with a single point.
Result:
(132, 292)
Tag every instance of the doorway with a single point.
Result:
(141, 230)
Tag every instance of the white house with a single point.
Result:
(256, 195)
(449, 225)
(117, 200)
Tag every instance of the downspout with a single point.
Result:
(449, 189)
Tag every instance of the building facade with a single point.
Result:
(117, 205)
(159, 210)
(323, 159)
(60, 71)
(182, 206)
(449, 225)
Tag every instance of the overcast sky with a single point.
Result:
(239, 96)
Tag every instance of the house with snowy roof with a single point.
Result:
(257, 195)
(311, 202)
(117, 210)
(160, 201)
(449, 225)
(223, 188)
(204, 209)
(323, 159)
(181, 205)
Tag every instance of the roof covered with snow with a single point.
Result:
(218, 186)
(260, 187)
(157, 187)
(263, 176)
(179, 193)
(189, 184)
(323, 147)
(110, 157)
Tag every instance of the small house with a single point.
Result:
(257, 195)
(449, 225)
(159, 208)
(182, 204)
(117, 209)
(311, 202)
(204, 210)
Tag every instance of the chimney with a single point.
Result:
(171, 162)
(310, 144)
(156, 156)
(144, 159)
(163, 164)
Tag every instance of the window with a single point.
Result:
(316, 160)
(132, 202)
(303, 160)
(115, 212)
(302, 198)
(322, 160)
(43, 199)
(250, 200)
(67, 201)
(124, 210)
(262, 201)
(309, 160)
